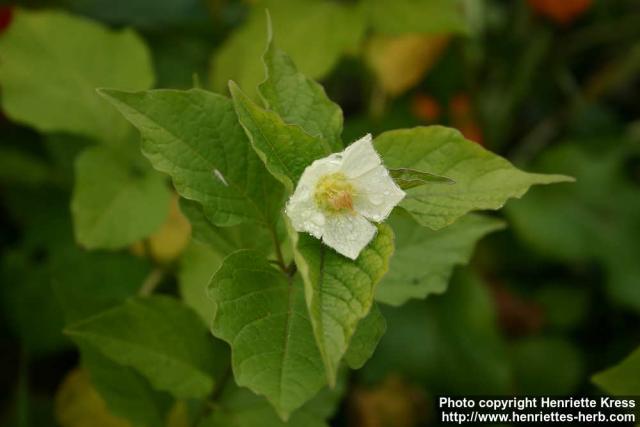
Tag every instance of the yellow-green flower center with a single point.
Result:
(334, 193)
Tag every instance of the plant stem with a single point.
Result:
(292, 268)
(377, 102)
(224, 378)
(276, 242)
(209, 404)
(151, 282)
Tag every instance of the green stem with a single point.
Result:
(292, 268)
(151, 282)
(377, 102)
(279, 256)
(209, 404)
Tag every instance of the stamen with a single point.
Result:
(334, 194)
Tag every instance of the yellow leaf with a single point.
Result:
(178, 416)
(399, 62)
(170, 240)
(78, 404)
(394, 402)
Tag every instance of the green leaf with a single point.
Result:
(197, 266)
(411, 178)
(546, 365)
(25, 290)
(285, 149)
(42, 216)
(62, 149)
(204, 256)
(584, 213)
(117, 200)
(483, 180)
(181, 58)
(565, 306)
(417, 16)
(366, 338)
(162, 339)
(77, 403)
(18, 167)
(241, 408)
(424, 259)
(298, 99)
(224, 240)
(450, 342)
(126, 393)
(622, 379)
(51, 64)
(262, 314)
(88, 283)
(301, 26)
(194, 137)
(340, 291)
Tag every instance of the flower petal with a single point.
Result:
(376, 194)
(317, 170)
(301, 208)
(359, 158)
(306, 216)
(348, 234)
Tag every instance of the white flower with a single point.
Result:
(338, 195)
